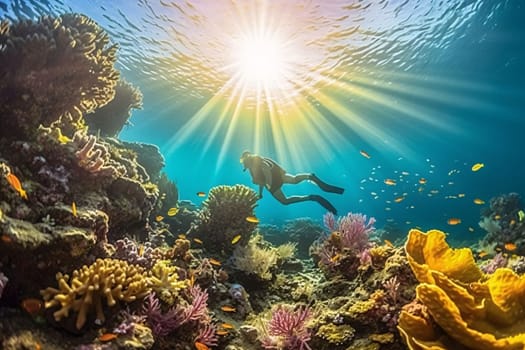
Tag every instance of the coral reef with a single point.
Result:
(347, 245)
(473, 311)
(110, 119)
(287, 329)
(256, 259)
(54, 68)
(303, 231)
(223, 216)
(111, 279)
(503, 223)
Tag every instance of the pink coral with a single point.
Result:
(287, 329)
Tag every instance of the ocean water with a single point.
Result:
(426, 88)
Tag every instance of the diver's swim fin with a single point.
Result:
(326, 187)
(326, 204)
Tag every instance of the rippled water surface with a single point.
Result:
(426, 87)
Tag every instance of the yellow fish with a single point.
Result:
(214, 262)
(236, 239)
(390, 182)
(227, 326)
(461, 195)
(471, 229)
(479, 201)
(201, 194)
(74, 209)
(15, 183)
(197, 240)
(159, 218)
(173, 211)
(252, 219)
(521, 215)
(477, 166)
(422, 181)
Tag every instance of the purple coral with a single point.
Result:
(163, 323)
(207, 335)
(287, 329)
(353, 228)
(498, 261)
(3, 282)
(145, 256)
(392, 288)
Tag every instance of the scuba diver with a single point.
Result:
(267, 173)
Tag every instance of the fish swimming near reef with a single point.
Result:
(16, 185)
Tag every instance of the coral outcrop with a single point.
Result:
(84, 291)
(223, 216)
(473, 311)
(110, 119)
(53, 68)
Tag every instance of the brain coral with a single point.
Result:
(223, 217)
(52, 68)
(84, 290)
(472, 311)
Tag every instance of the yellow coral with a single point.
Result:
(164, 280)
(472, 312)
(256, 259)
(105, 278)
(336, 334)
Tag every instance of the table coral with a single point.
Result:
(473, 311)
(84, 290)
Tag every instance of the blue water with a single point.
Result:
(426, 87)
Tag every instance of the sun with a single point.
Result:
(261, 61)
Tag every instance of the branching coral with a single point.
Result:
(52, 68)
(287, 329)
(224, 216)
(256, 259)
(473, 312)
(346, 247)
(94, 157)
(84, 290)
(164, 280)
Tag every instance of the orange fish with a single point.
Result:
(482, 254)
(236, 239)
(159, 218)
(74, 209)
(227, 326)
(201, 194)
(454, 221)
(222, 332)
(32, 305)
(6, 238)
(390, 244)
(479, 201)
(422, 181)
(390, 182)
(365, 154)
(197, 240)
(399, 199)
(15, 183)
(38, 346)
(227, 308)
(512, 222)
(107, 337)
(252, 219)
(335, 258)
(214, 262)
(510, 246)
(201, 346)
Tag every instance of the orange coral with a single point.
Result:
(473, 312)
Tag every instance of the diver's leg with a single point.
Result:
(279, 195)
(295, 179)
(326, 187)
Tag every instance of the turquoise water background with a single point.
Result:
(463, 66)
